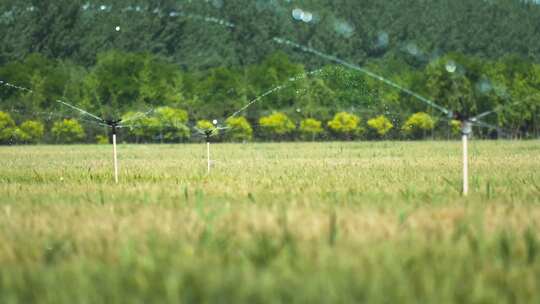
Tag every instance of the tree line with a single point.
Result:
(199, 35)
(210, 58)
(287, 101)
(274, 127)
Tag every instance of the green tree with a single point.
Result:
(222, 91)
(380, 125)
(276, 126)
(240, 129)
(310, 129)
(450, 86)
(172, 124)
(7, 128)
(166, 124)
(315, 98)
(346, 126)
(418, 125)
(119, 81)
(68, 131)
(31, 131)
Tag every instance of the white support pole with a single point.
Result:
(115, 159)
(465, 166)
(208, 155)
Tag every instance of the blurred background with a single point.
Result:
(269, 70)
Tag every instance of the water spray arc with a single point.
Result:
(274, 90)
(466, 122)
(364, 71)
(113, 124)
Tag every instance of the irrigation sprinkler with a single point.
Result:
(208, 134)
(113, 124)
(466, 129)
(466, 122)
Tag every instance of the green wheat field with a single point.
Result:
(373, 222)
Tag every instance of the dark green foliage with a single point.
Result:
(212, 57)
(7, 128)
(67, 131)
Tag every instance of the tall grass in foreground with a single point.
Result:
(304, 223)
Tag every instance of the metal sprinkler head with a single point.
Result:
(466, 127)
(113, 123)
(466, 122)
(459, 116)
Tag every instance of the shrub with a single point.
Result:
(455, 127)
(30, 131)
(205, 126)
(277, 125)
(310, 129)
(171, 124)
(67, 131)
(102, 139)
(7, 128)
(417, 125)
(240, 129)
(345, 125)
(380, 126)
(137, 124)
(172, 116)
(167, 125)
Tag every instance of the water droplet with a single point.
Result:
(451, 66)
(412, 49)
(382, 40)
(344, 28)
(307, 17)
(484, 86)
(297, 14)
(217, 3)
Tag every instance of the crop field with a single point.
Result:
(374, 222)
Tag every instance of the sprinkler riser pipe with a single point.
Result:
(465, 165)
(208, 156)
(115, 158)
